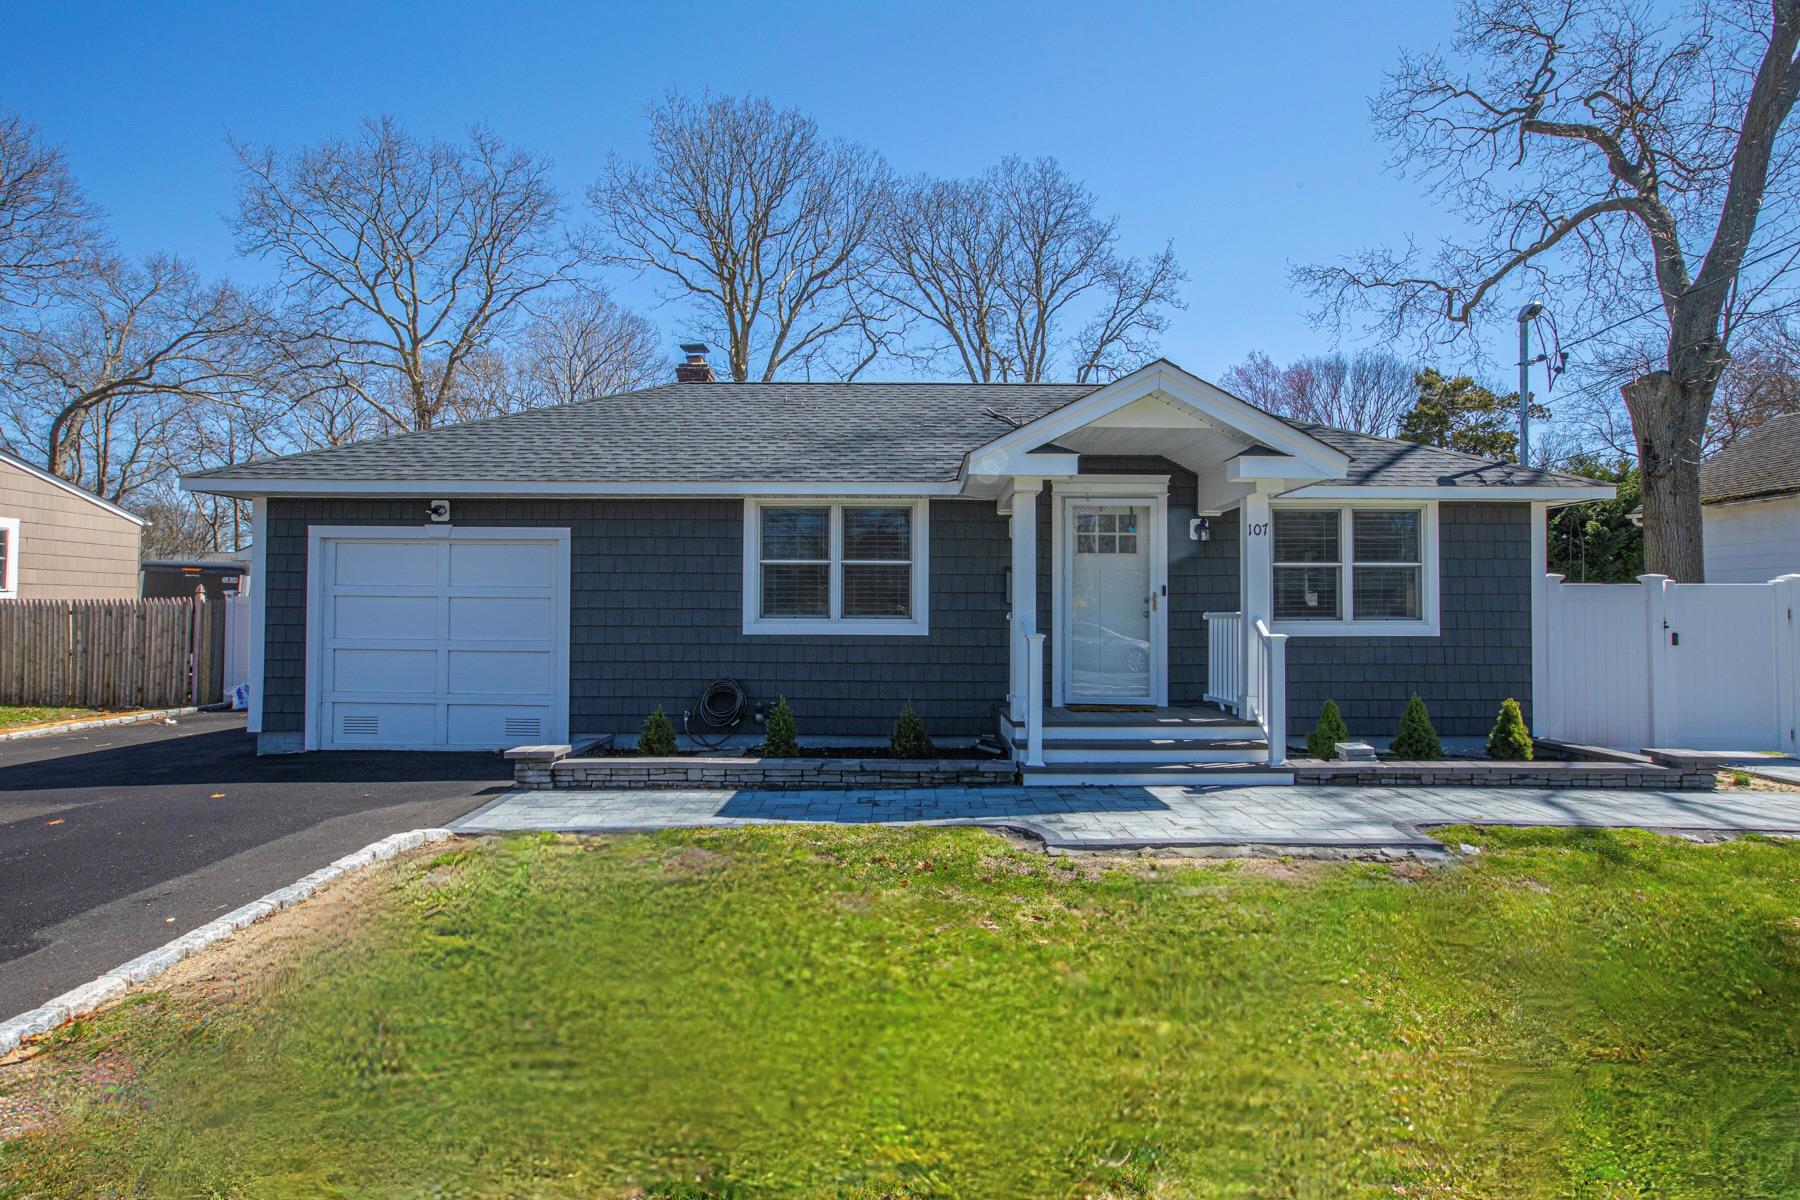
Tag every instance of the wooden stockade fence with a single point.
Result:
(111, 653)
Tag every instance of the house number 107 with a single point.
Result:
(1259, 529)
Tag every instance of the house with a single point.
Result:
(1073, 564)
(59, 542)
(1750, 505)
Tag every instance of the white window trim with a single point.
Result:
(9, 585)
(917, 625)
(1351, 626)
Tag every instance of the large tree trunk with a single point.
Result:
(1669, 420)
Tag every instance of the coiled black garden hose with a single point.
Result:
(721, 710)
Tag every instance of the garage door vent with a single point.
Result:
(360, 725)
(524, 727)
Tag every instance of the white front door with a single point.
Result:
(1112, 644)
(426, 640)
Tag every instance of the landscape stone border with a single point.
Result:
(1645, 776)
(134, 718)
(115, 983)
(542, 767)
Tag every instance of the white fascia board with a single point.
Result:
(1495, 494)
(461, 488)
(13, 460)
(1165, 377)
(1246, 467)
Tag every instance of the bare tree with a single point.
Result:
(1002, 267)
(754, 217)
(48, 230)
(1369, 392)
(403, 259)
(583, 347)
(1617, 162)
(95, 380)
(1761, 381)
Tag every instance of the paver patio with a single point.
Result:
(1128, 817)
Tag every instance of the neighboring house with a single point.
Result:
(59, 542)
(1750, 504)
(564, 571)
(180, 578)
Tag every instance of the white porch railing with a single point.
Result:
(1225, 659)
(1271, 667)
(1255, 689)
(1034, 700)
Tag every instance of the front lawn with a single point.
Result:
(807, 1011)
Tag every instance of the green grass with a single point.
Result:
(809, 1011)
(15, 716)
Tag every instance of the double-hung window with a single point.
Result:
(1349, 570)
(835, 567)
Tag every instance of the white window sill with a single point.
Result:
(1353, 629)
(846, 627)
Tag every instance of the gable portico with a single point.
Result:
(1111, 538)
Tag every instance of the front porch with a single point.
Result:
(1140, 640)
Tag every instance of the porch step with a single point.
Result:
(1181, 749)
(1174, 774)
(1063, 726)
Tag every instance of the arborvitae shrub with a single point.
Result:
(1416, 739)
(910, 739)
(657, 738)
(1510, 740)
(1328, 732)
(780, 737)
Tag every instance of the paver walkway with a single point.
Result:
(1128, 817)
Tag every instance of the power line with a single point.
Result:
(1791, 246)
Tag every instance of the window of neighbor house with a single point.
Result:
(840, 567)
(9, 557)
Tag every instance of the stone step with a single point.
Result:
(1178, 774)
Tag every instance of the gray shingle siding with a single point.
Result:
(657, 596)
(1482, 656)
(656, 612)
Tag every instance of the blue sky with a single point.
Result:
(1239, 130)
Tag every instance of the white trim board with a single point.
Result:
(317, 535)
(1497, 493)
(1126, 489)
(13, 460)
(1431, 552)
(9, 579)
(756, 625)
(1008, 454)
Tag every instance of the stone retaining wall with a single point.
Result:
(1454, 773)
(696, 773)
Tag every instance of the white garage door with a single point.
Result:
(457, 641)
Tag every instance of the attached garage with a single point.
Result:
(437, 638)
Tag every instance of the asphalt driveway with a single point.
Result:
(114, 841)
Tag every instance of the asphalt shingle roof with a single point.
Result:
(1763, 462)
(1389, 462)
(702, 432)
(788, 432)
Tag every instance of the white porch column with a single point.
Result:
(1024, 500)
(1256, 594)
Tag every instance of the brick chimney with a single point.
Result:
(695, 369)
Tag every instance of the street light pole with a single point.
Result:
(1526, 315)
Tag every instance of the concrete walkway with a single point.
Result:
(1130, 817)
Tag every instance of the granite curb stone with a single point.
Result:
(115, 983)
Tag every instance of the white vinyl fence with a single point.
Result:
(1700, 666)
(237, 642)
